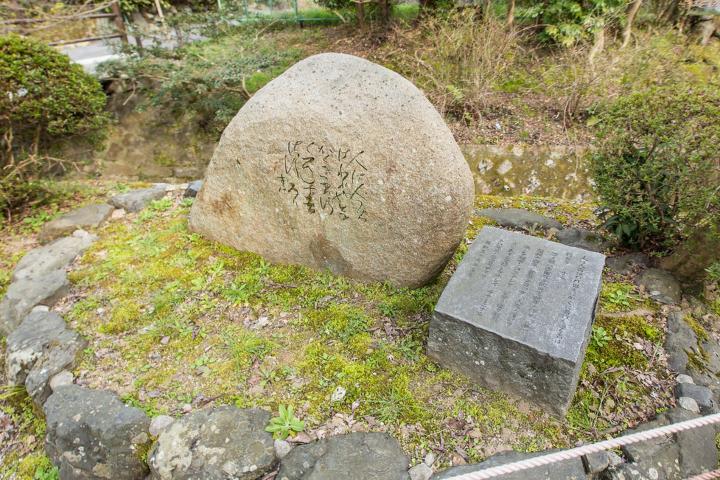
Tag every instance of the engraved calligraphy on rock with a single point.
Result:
(325, 179)
(339, 165)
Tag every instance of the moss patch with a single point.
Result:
(622, 368)
(173, 318)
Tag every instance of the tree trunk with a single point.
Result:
(704, 29)
(511, 13)
(633, 9)
(597, 47)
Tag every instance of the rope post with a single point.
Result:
(119, 22)
(361, 13)
(159, 9)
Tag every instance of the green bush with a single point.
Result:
(568, 22)
(44, 99)
(657, 163)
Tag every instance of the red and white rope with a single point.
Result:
(706, 476)
(549, 458)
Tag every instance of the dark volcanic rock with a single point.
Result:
(215, 444)
(680, 339)
(55, 256)
(193, 188)
(678, 456)
(355, 456)
(701, 394)
(92, 435)
(564, 470)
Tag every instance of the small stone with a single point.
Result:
(420, 472)
(63, 378)
(160, 423)
(54, 256)
(682, 378)
(596, 462)
(187, 408)
(338, 395)
(354, 456)
(625, 264)
(571, 469)
(91, 216)
(614, 459)
(193, 189)
(165, 340)
(40, 348)
(429, 459)
(703, 396)
(661, 286)
(679, 340)
(689, 404)
(519, 218)
(282, 448)
(118, 213)
(136, 200)
(581, 238)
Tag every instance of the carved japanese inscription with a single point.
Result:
(339, 165)
(324, 179)
(516, 316)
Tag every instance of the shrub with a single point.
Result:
(43, 99)
(458, 60)
(657, 163)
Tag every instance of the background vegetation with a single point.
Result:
(46, 100)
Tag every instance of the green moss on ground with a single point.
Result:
(23, 458)
(173, 318)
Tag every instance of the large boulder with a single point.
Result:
(339, 164)
(92, 435)
(222, 443)
(355, 456)
(40, 348)
(90, 216)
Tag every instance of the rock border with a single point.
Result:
(92, 434)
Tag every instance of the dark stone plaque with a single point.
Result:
(516, 316)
